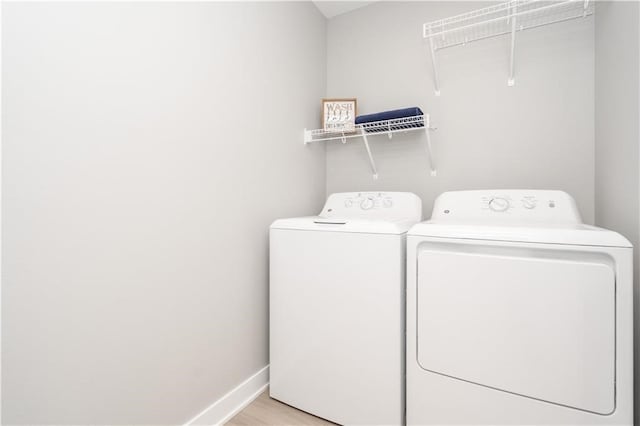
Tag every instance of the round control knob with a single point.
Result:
(528, 204)
(367, 203)
(499, 204)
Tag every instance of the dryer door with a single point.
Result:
(535, 323)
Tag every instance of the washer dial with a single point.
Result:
(367, 203)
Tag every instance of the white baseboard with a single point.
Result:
(233, 402)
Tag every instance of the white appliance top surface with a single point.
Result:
(514, 215)
(364, 212)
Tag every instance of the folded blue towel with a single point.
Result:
(389, 115)
(404, 119)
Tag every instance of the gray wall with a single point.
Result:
(146, 149)
(617, 118)
(537, 134)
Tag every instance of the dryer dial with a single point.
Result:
(529, 203)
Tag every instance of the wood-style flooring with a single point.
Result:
(266, 411)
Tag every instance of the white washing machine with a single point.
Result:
(337, 308)
(517, 313)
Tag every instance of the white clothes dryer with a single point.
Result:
(517, 313)
(337, 285)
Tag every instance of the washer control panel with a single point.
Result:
(373, 205)
(517, 205)
(368, 201)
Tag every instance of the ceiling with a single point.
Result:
(335, 8)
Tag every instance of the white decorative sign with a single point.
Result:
(339, 115)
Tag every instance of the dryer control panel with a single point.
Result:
(391, 206)
(522, 206)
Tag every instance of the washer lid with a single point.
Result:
(364, 212)
(335, 224)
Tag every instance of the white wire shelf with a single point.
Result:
(504, 18)
(388, 127)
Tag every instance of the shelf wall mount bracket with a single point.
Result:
(511, 82)
(436, 80)
(372, 163)
(427, 130)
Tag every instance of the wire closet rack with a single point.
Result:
(388, 127)
(504, 18)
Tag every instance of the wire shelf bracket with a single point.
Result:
(388, 127)
(501, 19)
